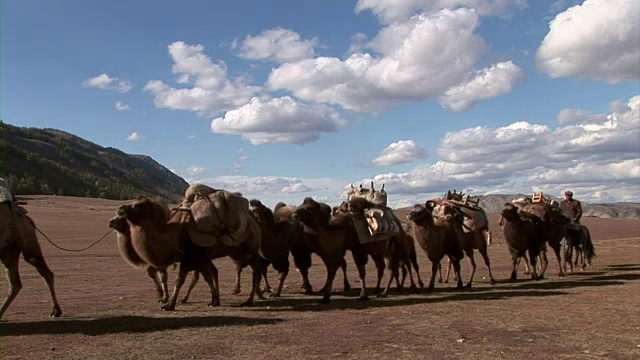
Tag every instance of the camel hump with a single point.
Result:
(198, 191)
(221, 216)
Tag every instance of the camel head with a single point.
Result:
(145, 209)
(510, 212)
(311, 211)
(343, 208)
(261, 214)
(119, 224)
(419, 212)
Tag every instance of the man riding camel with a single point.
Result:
(572, 209)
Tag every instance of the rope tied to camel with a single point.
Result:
(73, 250)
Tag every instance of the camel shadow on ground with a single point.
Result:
(125, 324)
(343, 302)
(624, 267)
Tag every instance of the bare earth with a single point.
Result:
(109, 308)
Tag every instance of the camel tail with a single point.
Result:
(589, 249)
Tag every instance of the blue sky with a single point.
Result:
(283, 100)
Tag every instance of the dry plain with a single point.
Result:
(110, 312)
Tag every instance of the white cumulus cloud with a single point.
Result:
(399, 10)
(279, 120)
(569, 115)
(596, 160)
(597, 39)
(400, 152)
(413, 60)
(211, 91)
(105, 82)
(278, 44)
(134, 136)
(488, 83)
(120, 106)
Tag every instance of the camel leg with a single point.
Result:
(557, 251)
(207, 271)
(194, 281)
(435, 266)
(10, 259)
(331, 274)
(472, 262)
(456, 271)
(257, 268)
(413, 286)
(414, 261)
(41, 266)
(544, 262)
(163, 285)
(527, 266)
(487, 262)
(399, 282)
(153, 274)
(379, 261)
(282, 266)
(239, 267)
(182, 276)
(514, 267)
(362, 274)
(446, 279)
(302, 261)
(346, 284)
(267, 286)
(533, 260)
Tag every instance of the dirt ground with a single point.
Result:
(110, 310)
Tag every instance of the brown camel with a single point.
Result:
(18, 236)
(129, 254)
(437, 239)
(470, 239)
(160, 243)
(334, 237)
(521, 236)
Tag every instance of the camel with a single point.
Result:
(521, 236)
(408, 258)
(334, 237)
(437, 239)
(579, 240)
(159, 276)
(470, 240)
(18, 236)
(161, 238)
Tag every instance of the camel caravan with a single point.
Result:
(212, 223)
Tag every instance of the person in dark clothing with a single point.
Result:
(572, 209)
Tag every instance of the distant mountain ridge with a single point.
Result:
(51, 161)
(495, 203)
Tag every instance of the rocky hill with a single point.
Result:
(50, 161)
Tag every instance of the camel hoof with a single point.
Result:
(246, 303)
(381, 296)
(168, 307)
(213, 304)
(347, 287)
(325, 300)
(183, 301)
(446, 281)
(468, 286)
(363, 298)
(430, 289)
(541, 277)
(274, 295)
(56, 312)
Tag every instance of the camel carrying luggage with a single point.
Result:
(219, 216)
(375, 224)
(474, 217)
(378, 197)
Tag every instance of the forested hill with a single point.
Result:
(50, 161)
